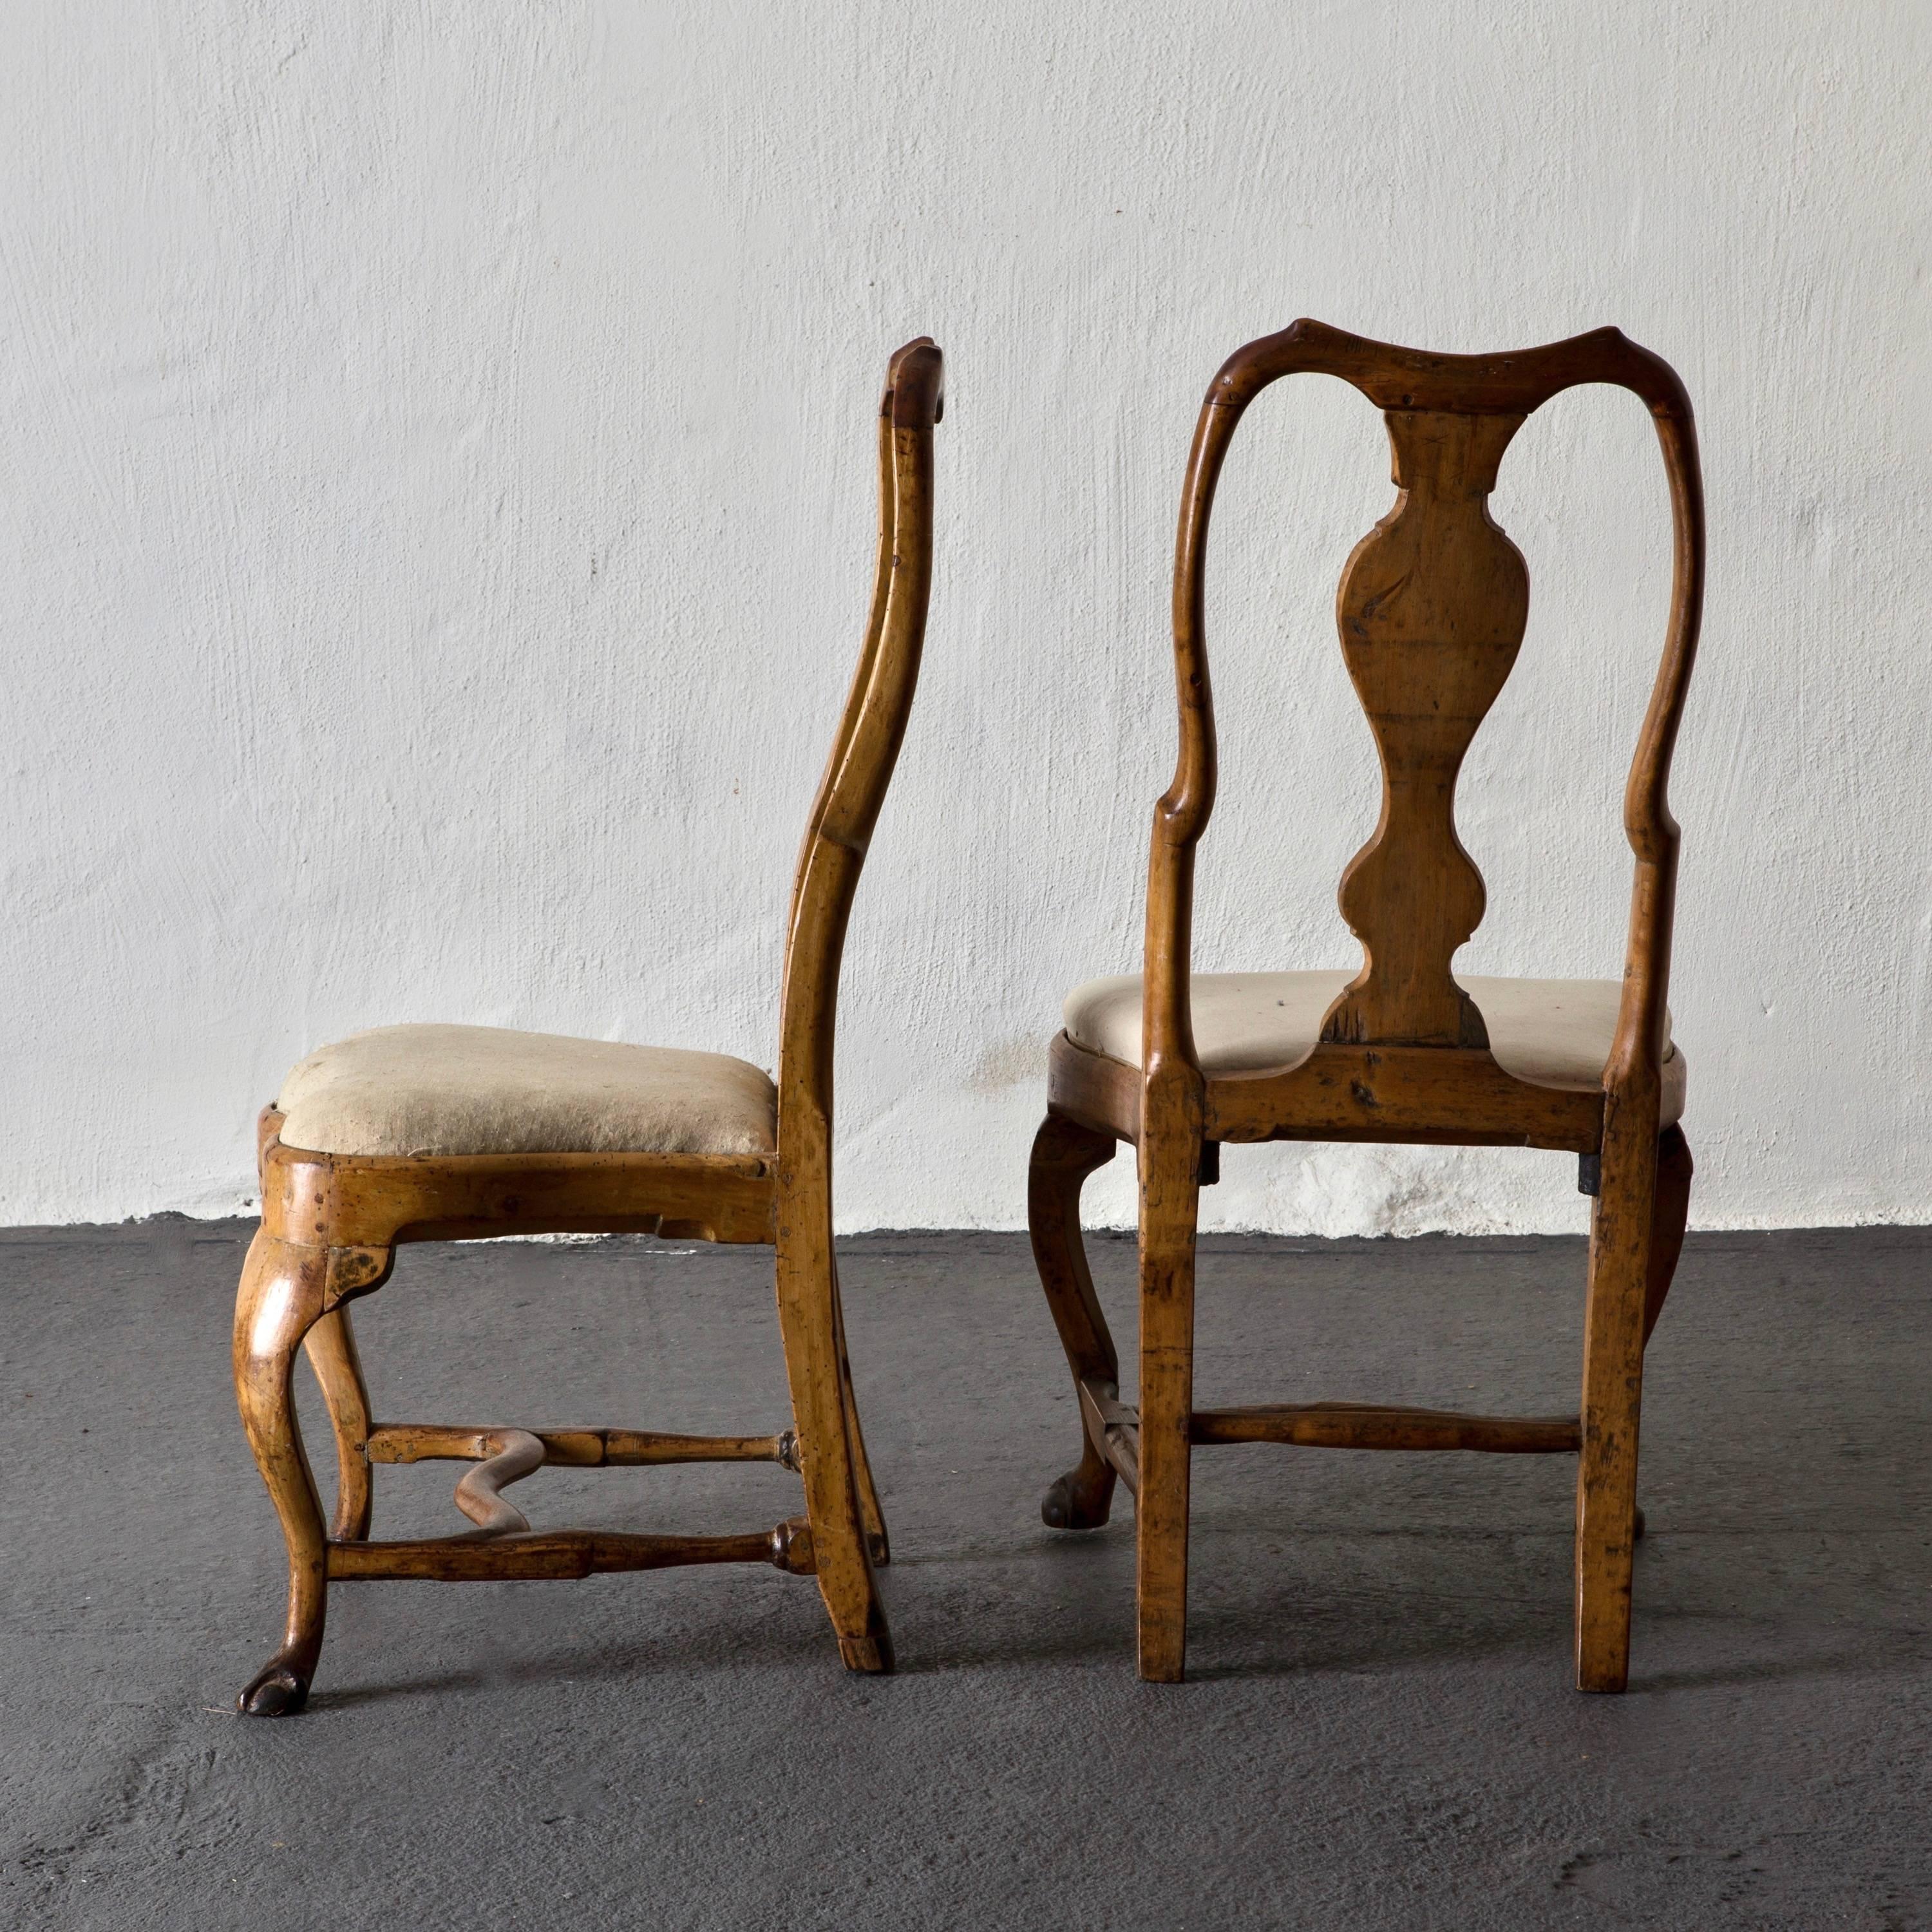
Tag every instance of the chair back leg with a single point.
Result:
(810, 1322)
(878, 1543)
(1170, 1177)
(331, 1345)
(1613, 1336)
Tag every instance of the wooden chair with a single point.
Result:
(1431, 611)
(425, 1133)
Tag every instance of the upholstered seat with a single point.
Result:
(1554, 1033)
(457, 1090)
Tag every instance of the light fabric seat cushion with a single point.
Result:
(451, 1089)
(1555, 1033)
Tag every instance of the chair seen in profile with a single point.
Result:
(1431, 610)
(442, 1133)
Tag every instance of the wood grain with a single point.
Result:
(370, 1204)
(575, 1448)
(331, 1347)
(1435, 1096)
(1170, 1171)
(1358, 1425)
(837, 838)
(1064, 1153)
(1431, 610)
(1113, 1430)
(561, 1555)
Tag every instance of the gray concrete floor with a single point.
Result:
(1380, 1730)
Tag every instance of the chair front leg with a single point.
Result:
(809, 1320)
(1621, 1236)
(331, 1345)
(1170, 1177)
(1669, 1210)
(280, 1300)
(1064, 1153)
(1669, 1214)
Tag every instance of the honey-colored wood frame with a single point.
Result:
(331, 1225)
(1431, 612)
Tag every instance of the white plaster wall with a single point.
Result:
(435, 483)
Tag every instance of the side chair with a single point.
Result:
(448, 1133)
(1431, 611)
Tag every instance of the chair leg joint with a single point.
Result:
(791, 1547)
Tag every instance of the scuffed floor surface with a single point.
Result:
(1379, 1732)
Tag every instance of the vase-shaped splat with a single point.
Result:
(1431, 610)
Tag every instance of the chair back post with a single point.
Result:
(859, 771)
(1636, 1054)
(1449, 419)
(1181, 815)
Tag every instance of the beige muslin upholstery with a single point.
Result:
(447, 1090)
(1556, 1033)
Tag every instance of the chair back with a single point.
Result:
(1431, 610)
(870, 730)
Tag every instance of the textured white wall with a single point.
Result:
(437, 475)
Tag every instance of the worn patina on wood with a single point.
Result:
(1431, 612)
(330, 1226)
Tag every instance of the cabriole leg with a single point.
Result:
(281, 1298)
(1669, 1212)
(1170, 1182)
(1064, 1153)
(1613, 1336)
(331, 1344)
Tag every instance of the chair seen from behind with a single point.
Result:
(1431, 612)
